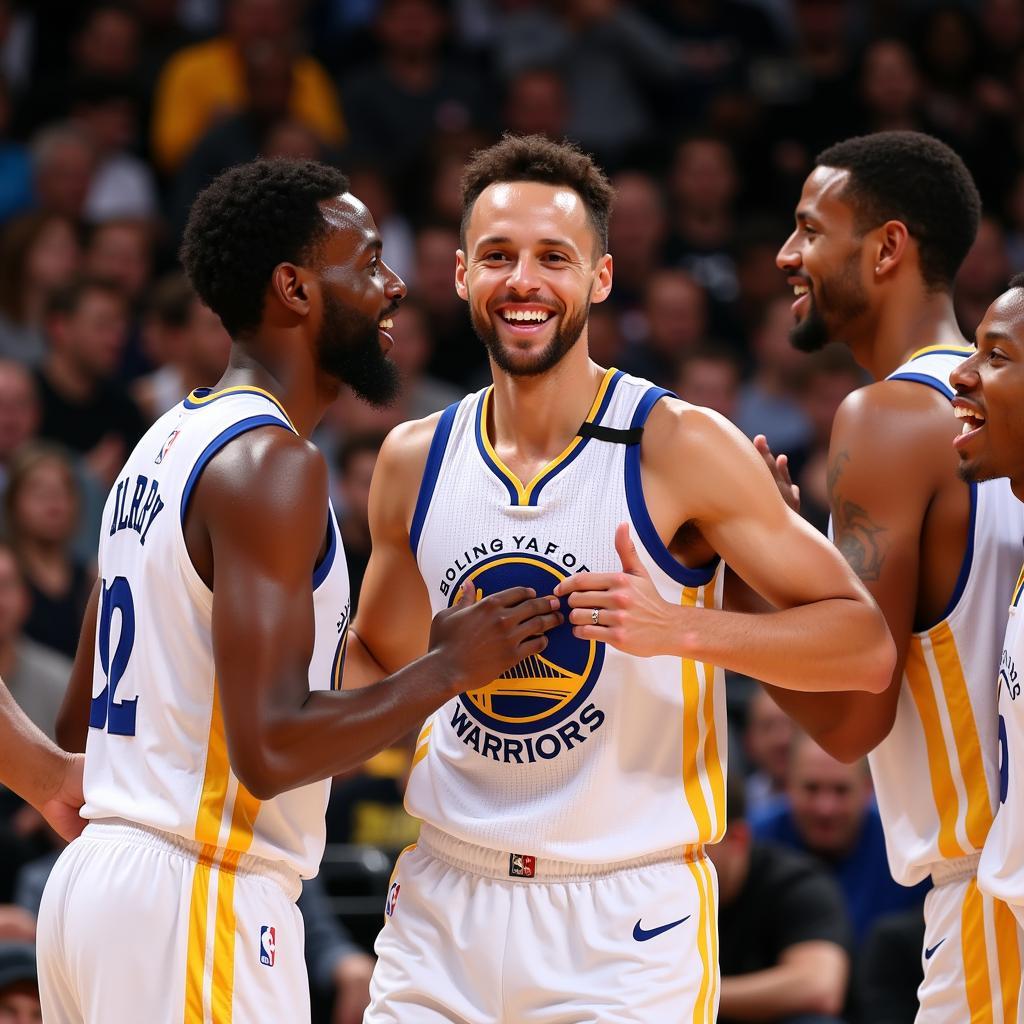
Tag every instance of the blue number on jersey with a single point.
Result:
(117, 717)
(1004, 761)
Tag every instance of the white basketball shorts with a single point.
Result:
(138, 926)
(480, 936)
(972, 952)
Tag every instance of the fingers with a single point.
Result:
(587, 581)
(537, 608)
(626, 550)
(512, 596)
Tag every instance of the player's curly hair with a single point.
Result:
(918, 180)
(536, 158)
(247, 221)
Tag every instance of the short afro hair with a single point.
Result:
(536, 158)
(247, 221)
(918, 180)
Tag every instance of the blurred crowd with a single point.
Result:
(707, 114)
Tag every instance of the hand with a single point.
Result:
(61, 809)
(779, 465)
(633, 616)
(352, 978)
(482, 638)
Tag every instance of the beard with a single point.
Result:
(566, 335)
(348, 348)
(843, 296)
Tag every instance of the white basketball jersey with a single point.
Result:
(936, 774)
(1001, 872)
(581, 753)
(157, 752)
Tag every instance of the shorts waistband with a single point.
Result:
(479, 860)
(945, 871)
(118, 830)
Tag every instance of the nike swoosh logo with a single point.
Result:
(642, 934)
(929, 953)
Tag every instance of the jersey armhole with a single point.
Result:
(637, 505)
(431, 471)
(927, 381)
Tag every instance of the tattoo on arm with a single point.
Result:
(857, 535)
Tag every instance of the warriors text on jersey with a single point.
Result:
(946, 721)
(581, 753)
(157, 752)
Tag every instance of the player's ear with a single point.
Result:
(602, 279)
(291, 287)
(891, 246)
(460, 275)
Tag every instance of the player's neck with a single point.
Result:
(903, 328)
(534, 418)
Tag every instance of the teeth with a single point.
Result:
(966, 414)
(386, 325)
(967, 428)
(526, 315)
(800, 289)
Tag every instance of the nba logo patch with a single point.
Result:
(171, 438)
(392, 900)
(268, 945)
(521, 865)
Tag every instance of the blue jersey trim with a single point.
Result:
(965, 566)
(638, 506)
(923, 378)
(321, 571)
(513, 494)
(438, 446)
(241, 427)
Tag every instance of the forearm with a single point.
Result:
(30, 764)
(333, 732)
(780, 992)
(833, 644)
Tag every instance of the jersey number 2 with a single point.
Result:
(118, 717)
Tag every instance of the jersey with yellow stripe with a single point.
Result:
(156, 753)
(936, 774)
(1001, 872)
(581, 753)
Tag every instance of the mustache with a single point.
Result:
(391, 310)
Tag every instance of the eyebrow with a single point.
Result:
(999, 336)
(561, 243)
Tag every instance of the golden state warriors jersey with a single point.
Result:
(936, 774)
(581, 753)
(1001, 871)
(157, 753)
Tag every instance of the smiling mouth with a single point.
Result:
(970, 418)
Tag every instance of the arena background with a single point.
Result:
(707, 114)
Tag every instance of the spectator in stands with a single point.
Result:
(769, 402)
(783, 931)
(41, 507)
(354, 463)
(710, 376)
(19, 414)
(19, 986)
(64, 161)
(767, 744)
(339, 971)
(83, 405)
(890, 88)
(36, 675)
(829, 811)
(15, 164)
(536, 103)
(121, 250)
(39, 252)
(889, 972)
(185, 340)
(207, 80)
(983, 275)
(413, 93)
(675, 313)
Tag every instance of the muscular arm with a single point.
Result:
(810, 978)
(393, 590)
(263, 544)
(826, 634)
(73, 718)
(880, 492)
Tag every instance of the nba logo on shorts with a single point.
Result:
(521, 865)
(268, 945)
(392, 900)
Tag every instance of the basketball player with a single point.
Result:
(214, 643)
(566, 805)
(46, 776)
(882, 225)
(989, 398)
